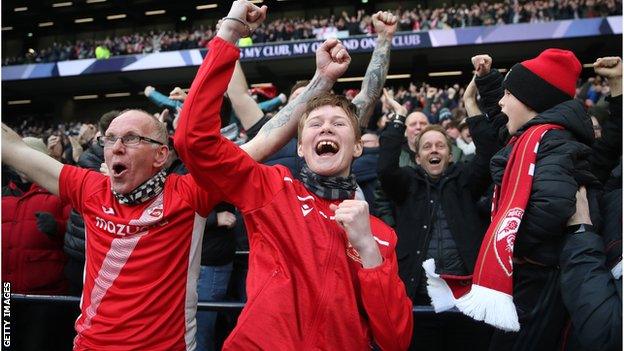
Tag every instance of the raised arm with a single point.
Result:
(483, 128)
(245, 107)
(489, 84)
(39, 167)
(332, 61)
(160, 99)
(608, 149)
(470, 99)
(394, 179)
(385, 25)
(214, 161)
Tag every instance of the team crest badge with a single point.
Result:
(505, 238)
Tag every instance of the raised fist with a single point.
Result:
(609, 67)
(247, 12)
(482, 64)
(385, 23)
(332, 59)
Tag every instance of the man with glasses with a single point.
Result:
(141, 263)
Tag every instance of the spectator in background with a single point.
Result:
(102, 52)
(33, 224)
(283, 29)
(365, 168)
(464, 142)
(352, 23)
(437, 217)
(244, 42)
(162, 100)
(443, 117)
(414, 124)
(452, 130)
(56, 144)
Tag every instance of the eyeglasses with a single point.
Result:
(126, 140)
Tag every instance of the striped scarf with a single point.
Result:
(330, 188)
(145, 191)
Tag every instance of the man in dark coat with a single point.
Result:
(591, 264)
(437, 215)
(591, 284)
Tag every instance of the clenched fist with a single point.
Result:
(482, 64)
(332, 59)
(353, 216)
(385, 23)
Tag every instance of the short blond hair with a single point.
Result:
(330, 99)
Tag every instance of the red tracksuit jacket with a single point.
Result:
(306, 289)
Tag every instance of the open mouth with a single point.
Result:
(435, 160)
(118, 169)
(326, 148)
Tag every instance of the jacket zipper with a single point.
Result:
(321, 300)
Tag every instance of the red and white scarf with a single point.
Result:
(487, 295)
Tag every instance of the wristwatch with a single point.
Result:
(397, 118)
(580, 228)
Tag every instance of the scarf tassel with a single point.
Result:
(478, 302)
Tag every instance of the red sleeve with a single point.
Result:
(212, 160)
(75, 182)
(202, 201)
(386, 303)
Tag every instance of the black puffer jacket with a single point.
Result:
(74, 242)
(459, 188)
(562, 163)
(592, 295)
(561, 166)
(608, 149)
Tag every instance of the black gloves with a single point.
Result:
(46, 223)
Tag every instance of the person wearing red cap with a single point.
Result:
(515, 284)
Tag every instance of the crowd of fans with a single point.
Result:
(442, 105)
(285, 29)
(497, 198)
